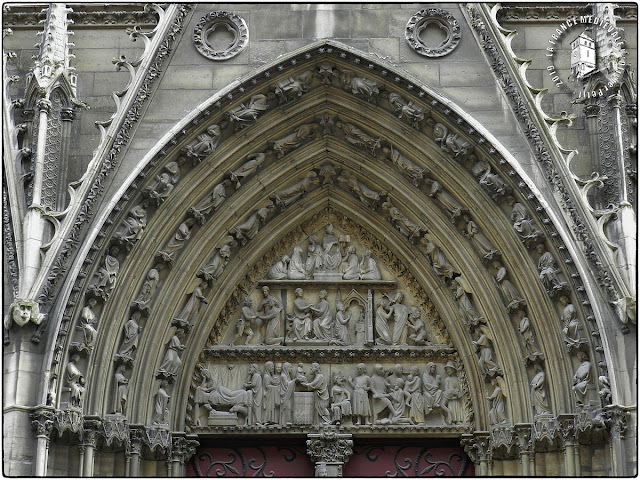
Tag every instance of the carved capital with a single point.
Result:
(68, 114)
(616, 418)
(182, 449)
(115, 427)
(329, 446)
(615, 100)
(134, 445)
(524, 436)
(591, 110)
(91, 427)
(477, 446)
(567, 430)
(44, 105)
(42, 421)
(158, 437)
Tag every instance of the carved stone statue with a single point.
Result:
(323, 321)
(410, 169)
(243, 324)
(105, 278)
(400, 314)
(452, 394)
(415, 398)
(120, 390)
(582, 379)
(164, 183)
(314, 256)
(342, 336)
(253, 385)
(369, 197)
(211, 202)
(379, 395)
(254, 161)
(526, 330)
(217, 398)
(87, 322)
(319, 385)
(513, 299)
(286, 197)
(249, 229)
(204, 144)
(360, 86)
(131, 333)
(289, 142)
(523, 225)
(539, 393)
(416, 325)
(327, 71)
(293, 87)
(287, 387)
(497, 413)
(148, 290)
(399, 398)
(492, 183)
(280, 269)
(402, 223)
(450, 142)
(357, 137)
(177, 242)
(216, 266)
(572, 328)
(132, 227)
(340, 399)
(192, 307)
(272, 317)
(297, 267)
(368, 267)
(76, 381)
(161, 410)
(360, 402)
(407, 109)
(447, 201)
(170, 366)
(350, 266)
(331, 256)
(487, 250)
(272, 395)
(438, 261)
(549, 271)
(485, 353)
(300, 320)
(465, 307)
(433, 395)
(383, 334)
(244, 115)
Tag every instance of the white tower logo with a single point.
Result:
(583, 55)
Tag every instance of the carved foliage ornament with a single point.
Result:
(206, 28)
(442, 20)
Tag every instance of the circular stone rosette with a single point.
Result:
(225, 21)
(441, 19)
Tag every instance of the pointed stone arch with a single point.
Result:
(450, 148)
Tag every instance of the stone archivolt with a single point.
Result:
(348, 123)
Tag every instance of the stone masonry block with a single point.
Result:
(370, 24)
(466, 74)
(278, 22)
(188, 77)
